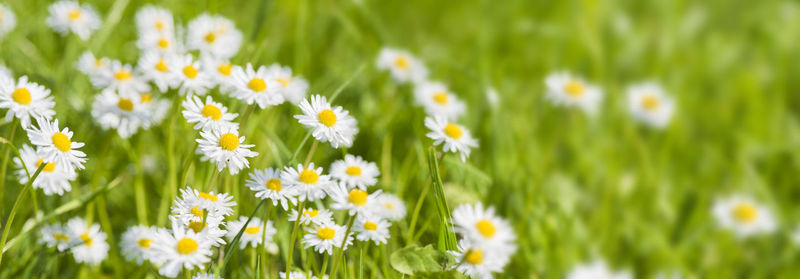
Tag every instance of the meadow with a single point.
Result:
(575, 187)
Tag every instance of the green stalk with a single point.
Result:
(324, 265)
(7, 226)
(229, 250)
(261, 249)
(441, 203)
(417, 208)
(7, 149)
(340, 255)
(213, 180)
(300, 207)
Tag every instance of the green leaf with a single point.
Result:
(413, 259)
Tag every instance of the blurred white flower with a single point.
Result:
(355, 172)
(402, 65)
(743, 215)
(563, 89)
(454, 137)
(649, 104)
(70, 16)
(437, 100)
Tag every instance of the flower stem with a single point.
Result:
(300, 207)
(213, 180)
(261, 247)
(340, 255)
(6, 150)
(311, 153)
(14, 209)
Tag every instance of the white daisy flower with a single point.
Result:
(455, 137)
(88, 242)
(192, 78)
(308, 183)
(355, 201)
(190, 206)
(324, 237)
(252, 234)
(564, 89)
(267, 184)
(649, 104)
(438, 100)
(212, 230)
(25, 100)
(372, 228)
(208, 115)
(54, 178)
(596, 269)
(159, 42)
(220, 71)
(390, 207)
(484, 229)
(121, 111)
(56, 146)
(55, 235)
(160, 69)
(136, 243)
(744, 216)
(180, 248)
(476, 262)
(256, 86)
(293, 88)
(7, 20)
(355, 172)
(328, 124)
(120, 77)
(225, 148)
(214, 35)
(153, 19)
(296, 275)
(157, 109)
(5, 74)
(312, 216)
(91, 65)
(402, 65)
(69, 16)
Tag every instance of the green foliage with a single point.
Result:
(413, 259)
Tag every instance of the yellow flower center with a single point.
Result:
(745, 213)
(161, 66)
(98, 63)
(453, 131)
(144, 242)
(225, 69)
(60, 237)
(122, 75)
(146, 97)
(370, 226)
(284, 81)
(257, 84)
(49, 167)
(252, 230)
(574, 89)
(353, 171)
(197, 212)
(309, 176)
(389, 205)
(401, 62)
(311, 213)
(74, 14)
(650, 102)
(440, 98)
(86, 239)
(190, 71)
(21, 95)
(208, 196)
(213, 112)
(326, 233)
(196, 226)
(210, 38)
(159, 25)
(125, 104)
(62, 142)
(186, 246)
(474, 256)
(274, 184)
(228, 141)
(327, 117)
(486, 228)
(357, 197)
(163, 43)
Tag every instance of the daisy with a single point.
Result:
(7, 20)
(159, 69)
(159, 42)
(308, 183)
(92, 66)
(225, 148)
(136, 243)
(372, 228)
(220, 71)
(256, 86)
(743, 215)
(120, 77)
(649, 104)
(390, 207)
(252, 235)
(455, 137)
(5, 74)
(190, 206)
(213, 232)
(89, 243)
(69, 16)
(312, 216)
(324, 237)
(355, 201)
(565, 90)
(180, 248)
(484, 229)
(25, 99)
(208, 115)
(293, 88)
(328, 124)
(355, 172)
(402, 65)
(152, 19)
(55, 235)
(438, 100)
(596, 269)
(191, 77)
(157, 109)
(267, 184)
(120, 111)
(54, 178)
(56, 146)
(476, 262)
(214, 35)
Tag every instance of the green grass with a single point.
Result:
(574, 188)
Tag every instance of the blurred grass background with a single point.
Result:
(574, 188)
